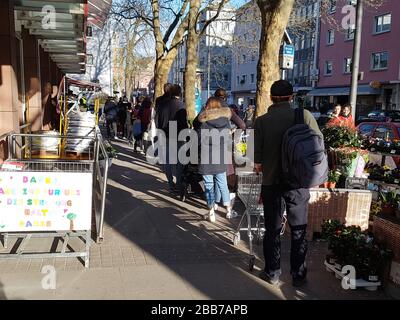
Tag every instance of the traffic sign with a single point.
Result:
(287, 56)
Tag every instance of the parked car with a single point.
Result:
(380, 116)
(381, 130)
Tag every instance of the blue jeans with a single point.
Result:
(216, 186)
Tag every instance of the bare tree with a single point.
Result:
(99, 46)
(275, 15)
(168, 21)
(193, 37)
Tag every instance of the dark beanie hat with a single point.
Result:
(281, 88)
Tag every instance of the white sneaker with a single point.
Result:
(211, 215)
(215, 206)
(231, 214)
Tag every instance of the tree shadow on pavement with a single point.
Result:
(175, 234)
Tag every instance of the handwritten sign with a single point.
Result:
(45, 201)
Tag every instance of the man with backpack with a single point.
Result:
(290, 153)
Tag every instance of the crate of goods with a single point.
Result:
(351, 207)
(387, 231)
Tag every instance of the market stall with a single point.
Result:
(363, 232)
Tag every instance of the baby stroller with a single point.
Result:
(192, 182)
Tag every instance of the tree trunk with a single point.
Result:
(274, 18)
(161, 71)
(191, 60)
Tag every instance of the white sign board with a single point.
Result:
(288, 56)
(45, 201)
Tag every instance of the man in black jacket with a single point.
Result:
(277, 197)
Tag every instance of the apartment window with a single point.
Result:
(383, 23)
(237, 80)
(350, 33)
(252, 77)
(347, 65)
(244, 58)
(243, 80)
(332, 6)
(330, 38)
(253, 57)
(380, 60)
(328, 68)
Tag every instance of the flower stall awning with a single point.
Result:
(363, 89)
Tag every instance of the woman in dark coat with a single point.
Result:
(214, 136)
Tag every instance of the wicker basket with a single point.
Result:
(387, 231)
(351, 207)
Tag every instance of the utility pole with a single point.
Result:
(208, 65)
(356, 57)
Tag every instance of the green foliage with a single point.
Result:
(340, 136)
(389, 198)
(350, 246)
(334, 176)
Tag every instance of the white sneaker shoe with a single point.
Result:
(215, 206)
(231, 214)
(211, 215)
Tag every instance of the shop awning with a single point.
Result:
(98, 12)
(65, 41)
(363, 89)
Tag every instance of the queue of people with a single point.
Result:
(219, 177)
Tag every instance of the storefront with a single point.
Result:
(367, 99)
(42, 42)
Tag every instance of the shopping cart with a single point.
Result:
(249, 192)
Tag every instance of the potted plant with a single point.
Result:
(333, 178)
(390, 202)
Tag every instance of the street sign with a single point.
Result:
(287, 56)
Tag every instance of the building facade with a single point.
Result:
(245, 53)
(214, 53)
(379, 79)
(304, 31)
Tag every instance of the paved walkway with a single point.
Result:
(156, 247)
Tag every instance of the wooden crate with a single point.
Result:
(351, 207)
(387, 231)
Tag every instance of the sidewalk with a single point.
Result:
(156, 247)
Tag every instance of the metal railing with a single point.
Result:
(97, 162)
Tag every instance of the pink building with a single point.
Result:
(379, 85)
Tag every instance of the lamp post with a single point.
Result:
(356, 57)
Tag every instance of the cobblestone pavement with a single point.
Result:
(157, 247)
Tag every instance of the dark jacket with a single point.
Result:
(210, 144)
(111, 111)
(269, 131)
(165, 112)
(181, 117)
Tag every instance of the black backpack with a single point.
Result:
(304, 160)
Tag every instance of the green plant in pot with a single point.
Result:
(331, 230)
(390, 202)
(333, 178)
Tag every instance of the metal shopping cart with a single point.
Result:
(249, 192)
